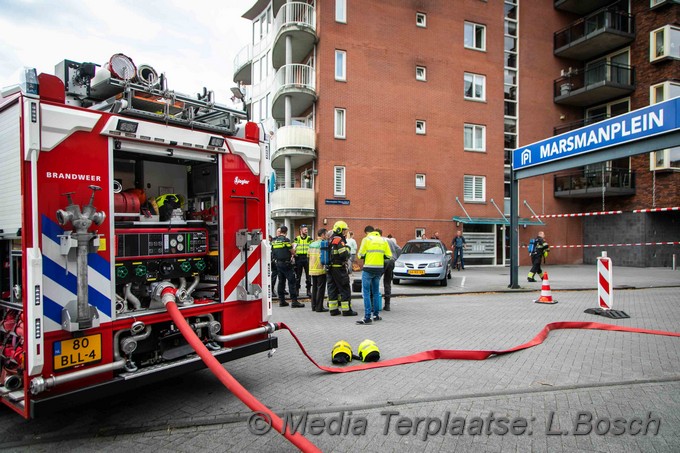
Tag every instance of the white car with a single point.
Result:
(424, 260)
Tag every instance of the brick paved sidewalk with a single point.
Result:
(611, 374)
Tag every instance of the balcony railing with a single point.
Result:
(590, 184)
(595, 34)
(243, 58)
(296, 142)
(596, 83)
(557, 130)
(295, 76)
(298, 19)
(292, 202)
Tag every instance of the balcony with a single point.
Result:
(597, 83)
(580, 7)
(292, 203)
(594, 35)
(296, 142)
(568, 127)
(583, 184)
(297, 20)
(297, 81)
(243, 64)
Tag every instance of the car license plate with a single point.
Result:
(77, 351)
(416, 272)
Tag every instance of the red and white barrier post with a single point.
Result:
(605, 287)
(605, 290)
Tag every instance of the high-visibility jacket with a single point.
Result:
(315, 267)
(282, 248)
(302, 245)
(374, 250)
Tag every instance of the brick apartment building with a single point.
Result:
(403, 114)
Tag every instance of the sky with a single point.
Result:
(193, 42)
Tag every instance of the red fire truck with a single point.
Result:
(114, 190)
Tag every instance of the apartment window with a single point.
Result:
(663, 92)
(340, 123)
(664, 43)
(339, 181)
(475, 36)
(420, 181)
(475, 137)
(420, 233)
(341, 11)
(665, 159)
(421, 20)
(474, 188)
(655, 3)
(340, 65)
(420, 127)
(421, 73)
(475, 87)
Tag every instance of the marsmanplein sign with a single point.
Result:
(636, 125)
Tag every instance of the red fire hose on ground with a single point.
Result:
(436, 354)
(232, 384)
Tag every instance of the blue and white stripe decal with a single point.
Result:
(60, 281)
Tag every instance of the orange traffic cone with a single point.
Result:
(546, 296)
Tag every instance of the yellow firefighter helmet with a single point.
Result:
(368, 351)
(342, 352)
(339, 226)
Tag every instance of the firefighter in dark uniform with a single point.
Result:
(282, 249)
(339, 291)
(540, 251)
(301, 249)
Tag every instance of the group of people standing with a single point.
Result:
(303, 255)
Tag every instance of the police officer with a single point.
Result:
(339, 291)
(282, 250)
(275, 271)
(540, 251)
(301, 250)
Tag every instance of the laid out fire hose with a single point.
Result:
(228, 380)
(436, 354)
(458, 354)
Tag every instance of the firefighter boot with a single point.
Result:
(530, 277)
(347, 309)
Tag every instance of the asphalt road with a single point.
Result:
(574, 392)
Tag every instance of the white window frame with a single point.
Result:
(474, 182)
(421, 73)
(671, 42)
(421, 127)
(341, 11)
(420, 233)
(475, 45)
(474, 146)
(420, 180)
(339, 175)
(340, 65)
(421, 20)
(655, 3)
(475, 80)
(661, 159)
(340, 124)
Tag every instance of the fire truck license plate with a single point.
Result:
(77, 351)
(416, 272)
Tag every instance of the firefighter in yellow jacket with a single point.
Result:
(374, 250)
(318, 272)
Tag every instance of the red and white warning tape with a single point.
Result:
(578, 246)
(588, 214)
(676, 208)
